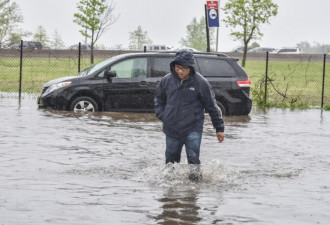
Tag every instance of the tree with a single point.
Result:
(41, 36)
(305, 46)
(118, 47)
(327, 48)
(9, 19)
(245, 18)
(95, 17)
(138, 39)
(16, 36)
(196, 35)
(316, 48)
(57, 42)
(254, 45)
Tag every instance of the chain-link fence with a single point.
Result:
(292, 80)
(36, 67)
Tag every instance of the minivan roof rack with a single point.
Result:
(210, 53)
(195, 53)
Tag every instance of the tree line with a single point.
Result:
(94, 17)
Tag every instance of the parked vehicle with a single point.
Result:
(127, 82)
(239, 49)
(4, 46)
(261, 50)
(82, 46)
(35, 45)
(287, 51)
(187, 48)
(157, 48)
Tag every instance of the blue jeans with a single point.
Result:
(192, 144)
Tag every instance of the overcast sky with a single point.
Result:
(166, 21)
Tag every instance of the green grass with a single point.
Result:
(293, 84)
(36, 72)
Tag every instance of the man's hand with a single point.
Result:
(220, 136)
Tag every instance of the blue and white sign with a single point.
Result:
(213, 18)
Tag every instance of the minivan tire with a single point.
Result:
(84, 104)
(222, 108)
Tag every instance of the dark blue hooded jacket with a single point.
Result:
(180, 105)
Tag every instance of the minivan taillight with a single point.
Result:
(244, 83)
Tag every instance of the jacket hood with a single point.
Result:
(184, 58)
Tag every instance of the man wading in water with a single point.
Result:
(180, 100)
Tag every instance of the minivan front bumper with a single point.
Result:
(54, 100)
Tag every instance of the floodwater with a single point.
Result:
(108, 168)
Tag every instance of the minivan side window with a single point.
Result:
(215, 68)
(131, 68)
(161, 66)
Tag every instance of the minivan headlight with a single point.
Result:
(57, 86)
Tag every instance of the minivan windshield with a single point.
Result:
(98, 66)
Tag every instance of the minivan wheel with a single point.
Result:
(84, 104)
(223, 110)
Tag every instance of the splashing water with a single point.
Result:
(214, 173)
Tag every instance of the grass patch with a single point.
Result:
(290, 83)
(326, 107)
(36, 72)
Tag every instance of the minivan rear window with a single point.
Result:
(215, 68)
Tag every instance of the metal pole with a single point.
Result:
(207, 31)
(217, 44)
(20, 75)
(266, 79)
(79, 56)
(323, 80)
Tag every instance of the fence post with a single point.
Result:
(79, 56)
(20, 75)
(266, 78)
(323, 80)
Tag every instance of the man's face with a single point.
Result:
(182, 71)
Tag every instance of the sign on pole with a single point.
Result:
(212, 13)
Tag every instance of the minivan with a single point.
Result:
(127, 82)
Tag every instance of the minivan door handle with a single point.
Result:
(143, 83)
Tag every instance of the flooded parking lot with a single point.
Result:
(108, 168)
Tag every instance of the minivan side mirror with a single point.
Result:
(110, 74)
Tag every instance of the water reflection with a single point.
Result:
(179, 207)
(237, 119)
(114, 115)
(135, 117)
